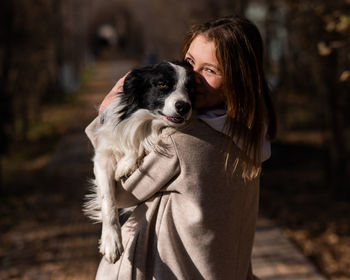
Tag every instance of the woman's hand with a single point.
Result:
(118, 87)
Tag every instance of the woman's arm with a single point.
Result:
(155, 173)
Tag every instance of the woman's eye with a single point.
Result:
(211, 71)
(189, 60)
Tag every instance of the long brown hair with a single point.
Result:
(250, 111)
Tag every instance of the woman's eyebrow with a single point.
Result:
(210, 64)
(204, 64)
(214, 66)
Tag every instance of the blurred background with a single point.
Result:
(58, 59)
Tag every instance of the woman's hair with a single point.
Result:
(250, 111)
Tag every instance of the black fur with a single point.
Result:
(148, 86)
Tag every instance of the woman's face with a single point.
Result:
(202, 56)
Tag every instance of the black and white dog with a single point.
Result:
(153, 98)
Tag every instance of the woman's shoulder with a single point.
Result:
(199, 130)
(197, 136)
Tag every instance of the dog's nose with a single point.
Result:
(182, 107)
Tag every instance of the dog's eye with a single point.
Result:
(162, 85)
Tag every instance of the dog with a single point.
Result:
(154, 97)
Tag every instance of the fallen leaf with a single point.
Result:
(323, 49)
(344, 76)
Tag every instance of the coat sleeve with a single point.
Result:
(158, 169)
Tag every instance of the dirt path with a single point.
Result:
(275, 257)
(52, 239)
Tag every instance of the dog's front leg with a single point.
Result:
(111, 240)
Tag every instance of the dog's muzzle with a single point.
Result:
(182, 107)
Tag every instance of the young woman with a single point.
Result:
(197, 207)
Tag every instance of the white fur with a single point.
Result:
(120, 145)
(178, 94)
(120, 148)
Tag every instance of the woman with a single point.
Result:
(197, 206)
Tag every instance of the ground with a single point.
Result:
(296, 196)
(44, 232)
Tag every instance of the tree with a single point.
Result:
(6, 56)
(319, 41)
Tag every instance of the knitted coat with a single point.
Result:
(193, 219)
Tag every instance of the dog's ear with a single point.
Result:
(136, 82)
(132, 82)
(134, 86)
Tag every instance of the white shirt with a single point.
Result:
(216, 119)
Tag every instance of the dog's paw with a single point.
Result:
(111, 245)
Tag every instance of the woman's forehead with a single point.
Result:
(203, 50)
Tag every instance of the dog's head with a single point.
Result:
(165, 89)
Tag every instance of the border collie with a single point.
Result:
(154, 97)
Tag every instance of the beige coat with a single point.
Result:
(193, 220)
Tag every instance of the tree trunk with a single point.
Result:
(59, 49)
(6, 116)
(337, 144)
